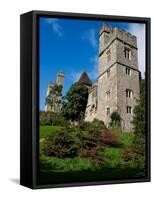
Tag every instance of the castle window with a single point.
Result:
(128, 71)
(108, 110)
(108, 94)
(127, 53)
(129, 109)
(129, 93)
(108, 72)
(108, 55)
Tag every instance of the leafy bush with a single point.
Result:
(139, 144)
(111, 139)
(61, 144)
(133, 159)
(128, 154)
(90, 139)
(82, 140)
(89, 143)
(94, 126)
(134, 155)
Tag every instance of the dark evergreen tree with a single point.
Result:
(139, 111)
(139, 123)
(75, 102)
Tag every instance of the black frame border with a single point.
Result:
(33, 171)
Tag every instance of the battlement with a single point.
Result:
(105, 28)
(126, 37)
(61, 74)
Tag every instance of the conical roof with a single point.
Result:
(84, 79)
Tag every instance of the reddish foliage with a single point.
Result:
(92, 153)
(128, 154)
(110, 138)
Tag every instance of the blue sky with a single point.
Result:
(71, 46)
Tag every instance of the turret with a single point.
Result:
(60, 78)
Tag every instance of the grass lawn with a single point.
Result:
(127, 138)
(47, 130)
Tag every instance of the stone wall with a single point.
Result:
(124, 82)
(118, 81)
(112, 78)
(107, 100)
(91, 109)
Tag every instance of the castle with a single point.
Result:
(53, 102)
(117, 86)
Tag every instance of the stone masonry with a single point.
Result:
(53, 101)
(117, 87)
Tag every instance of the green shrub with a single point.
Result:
(128, 154)
(136, 154)
(61, 144)
(115, 119)
(82, 140)
(112, 157)
(90, 139)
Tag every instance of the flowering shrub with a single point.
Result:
(111, 138)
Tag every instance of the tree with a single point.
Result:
(139, 142)
(139, 111)
(75, 102)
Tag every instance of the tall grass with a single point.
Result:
(67, 164)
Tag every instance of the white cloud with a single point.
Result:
(90, 35)
(55, 26)
(139, 31)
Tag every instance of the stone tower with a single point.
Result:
(118, 75)
(53, 102)
(60, 78)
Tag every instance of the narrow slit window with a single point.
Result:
(129, 93)
(108, 110)
(127, 53)
(128, 71)
(108, 94)
(129, 109)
